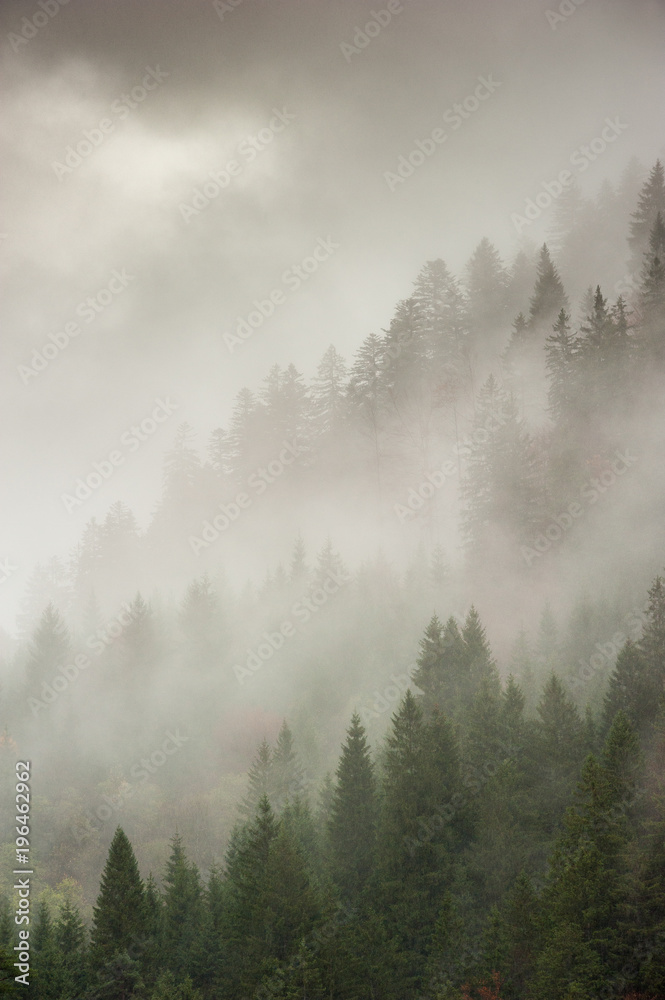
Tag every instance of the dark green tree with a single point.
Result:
(118, 916)
(352, 821)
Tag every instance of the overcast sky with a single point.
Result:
(216, 78)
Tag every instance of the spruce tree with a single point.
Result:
(651, 201)
(352, 822)
(487, 290)
(118, 916)
(559, 748)
(286, 771)
(561, 368)
(549, 297)
(49, 648)
(260, 780)
(329, 393)
(182, 911)
(70, 942)
(246, 918)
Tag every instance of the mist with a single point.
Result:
(283, 288)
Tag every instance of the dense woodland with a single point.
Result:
(495, 824)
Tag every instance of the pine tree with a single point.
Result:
(522, 275)
(182, 911)
(652, 298)
(209, 950)
(501, 486)
(481, 666)
(242, 438)
(328, 564)
(419, 830)
(650, 909)
(588, 898)
(601, 357)
(199, 616)
(45, 963)
(298, 568)
(352, 822)
(487, 290)
(149, 949)
(138, 647)
(286, 771)
(118, 917)
(246, 918)
(651, 201)
(48, 650)
(70, 941)
(516, 353)
(440, 319)
(522, 662)
(329, 392)
(404, 353)
(365, 386)
(629, 689)
(517, 933)
(559, 746)
(548, 297)
(561, 356)
(260, 779)
(182, 473)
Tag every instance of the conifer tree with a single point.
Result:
(329, 392)
(70, 941)
(298, 567)
(48, 650)
(245, 937)
(487, 290)
(561, 354)
(118, 917)
(650, 202)
(352, 822)
(548, 297)
(182, 911)
(286, 771)
(501, 486)
(559, 746)
(260, 779)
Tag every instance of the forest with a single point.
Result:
(365, 777)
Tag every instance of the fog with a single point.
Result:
(115, 117)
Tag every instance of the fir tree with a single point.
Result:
(182, 911)
(561, 353)
(487, 289)
(118, 917)
(328, 393)
(48, 650)
(651, 201)
(260, 779)
(548, 297)
(287, 772)
(352, 821)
